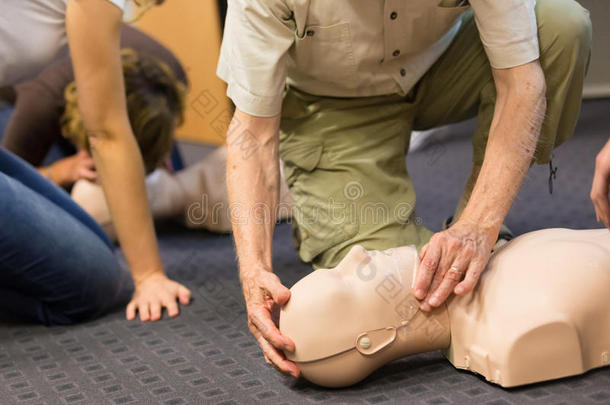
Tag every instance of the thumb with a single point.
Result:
(278, 292)
(422, 252)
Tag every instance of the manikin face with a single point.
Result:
(349, 317)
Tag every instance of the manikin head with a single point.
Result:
(348, 321)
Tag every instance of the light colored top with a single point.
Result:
(31, 34)
(357, 48)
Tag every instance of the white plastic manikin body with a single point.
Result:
(198, 193)
(540, 311)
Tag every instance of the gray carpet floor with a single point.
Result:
(207, 355)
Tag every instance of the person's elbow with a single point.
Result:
(248, 131)
(525, 81)
(105, 127)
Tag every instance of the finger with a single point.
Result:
(262, 321)
(428, 268)
(144, 311)
(602, 211)
(453, 266)
(447, 258)
(81, 154)
(279, 293)
(155, 311)
(87, 174)
(184, 295)
(172, 308)
(422, 252)
(599, 195)
(475, 269)
(278, 359)
(452, 277)
(130, 311)
(87, 161)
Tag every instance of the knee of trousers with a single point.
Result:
(564, 26)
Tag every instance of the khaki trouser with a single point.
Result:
(345, 157)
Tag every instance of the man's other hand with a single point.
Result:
(265, 295)
(452, 261)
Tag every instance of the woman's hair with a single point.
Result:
(155, 105)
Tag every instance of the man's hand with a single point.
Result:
(462, 251)
(253, 182)
(154, 293)
(265, 295)
(601, 183)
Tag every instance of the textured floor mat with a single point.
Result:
(207, 355)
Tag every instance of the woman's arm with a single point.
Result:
(93, 28)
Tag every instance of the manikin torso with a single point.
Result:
(540, 311)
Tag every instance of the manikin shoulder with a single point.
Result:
(541, 310)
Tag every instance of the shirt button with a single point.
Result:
(403, 72)
(310, 33)
(396, 52)
(394, 15)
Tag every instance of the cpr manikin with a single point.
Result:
(198, 194)
(540, 311)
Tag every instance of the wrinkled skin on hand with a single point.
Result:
(452, 261)
(265, 295)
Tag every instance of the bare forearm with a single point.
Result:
(119, 165)
(253, 188)
(454, 259)
(518, 116)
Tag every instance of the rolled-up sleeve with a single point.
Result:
(257, 37)
(508, 31)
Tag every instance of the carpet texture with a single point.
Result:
(207, 354)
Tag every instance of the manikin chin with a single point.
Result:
(541, 311)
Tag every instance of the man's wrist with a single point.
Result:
(488, 224)
(252, 270)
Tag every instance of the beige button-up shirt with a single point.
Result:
(357, 48)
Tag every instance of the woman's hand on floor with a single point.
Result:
(601, 184)
(154, 293)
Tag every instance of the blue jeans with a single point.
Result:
(57, 265)
(5, 116)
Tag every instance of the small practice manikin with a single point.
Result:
(540, 311)
(198, 194)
